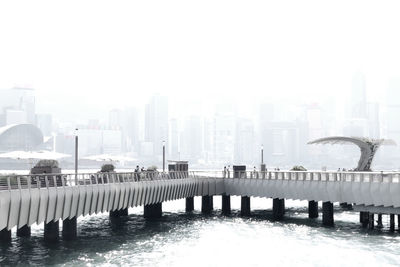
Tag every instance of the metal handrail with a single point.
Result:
(15, 181)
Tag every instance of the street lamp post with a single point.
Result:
(163, 152)
(76, 153)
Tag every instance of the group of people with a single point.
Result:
(139, 170)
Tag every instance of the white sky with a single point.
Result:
(123, 51)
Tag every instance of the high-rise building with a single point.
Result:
(393, 110)
(174, 151)
(17, 106)
(359, 97)
(373, 113)
(156, 122)
(131, 129)
(223, 133)
(245, 143)
(115, 119)
(192, 139)
(45, 123)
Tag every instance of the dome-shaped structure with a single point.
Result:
(20, 137)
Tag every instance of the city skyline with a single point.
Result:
(223, 134)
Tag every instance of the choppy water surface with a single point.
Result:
(180, 239)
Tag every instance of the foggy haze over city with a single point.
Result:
(215, 82)
(200, 133)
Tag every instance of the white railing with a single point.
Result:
(11, 182)
(332, 176)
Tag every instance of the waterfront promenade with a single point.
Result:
(51, 198)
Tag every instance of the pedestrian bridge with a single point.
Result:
(49, 198)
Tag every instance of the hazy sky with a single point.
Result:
(109, 53)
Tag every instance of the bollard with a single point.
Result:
(206, 204)
(278, 208)
(24, 231)
(69, 229)
(5, 235)
(189, 204)
(52, 231)
(153, 211)
(312, 209)
(327, 214)
(226, 204)
(245, 206)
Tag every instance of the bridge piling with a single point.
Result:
(115, 214)
(371, 221)
(312, 209)
(226, 204)
(24, 231)
(189, 204)
(123, 212)
(364, 219)
(69, 229)
(153, 211)
(327, 214)
(206, 204)
(380, 224)
(392, 223)
(5, 235)
(398, 221)
(245, 206)
(278, 208)
(52, 231)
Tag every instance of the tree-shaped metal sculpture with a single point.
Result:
(367, 146)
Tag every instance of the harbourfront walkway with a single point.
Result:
(49, 199)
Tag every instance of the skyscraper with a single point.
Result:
(156, 122)
(359, 97)
(245, 142)
(192, 139)
(17, 105)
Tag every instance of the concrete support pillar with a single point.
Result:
(371, 221)
(398, 221)
(189, 204)
(69, 229)
(364, 218)
(123, 212)
(245, 207)
(278, 208)
(226, 204)
(380, 224)
(153, 211)
(327, 214)
(5, 235)
(312, 209)
(24, 231)
(346, 206)
(114, 214)
(52, 231)
(392, 223)
(207, 204)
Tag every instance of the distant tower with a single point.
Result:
(359, 97)
(156, 122)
